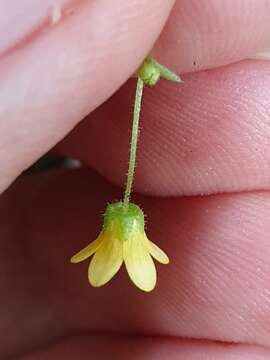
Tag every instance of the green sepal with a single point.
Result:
(148, 72)
(122, 219)
(166, 73)
(151, 71)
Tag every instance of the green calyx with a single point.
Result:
(151, 71)
(122, 218)
(148, 72)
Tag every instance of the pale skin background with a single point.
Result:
(209, 136)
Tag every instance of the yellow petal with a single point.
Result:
(106, 261)
(87, 251)
(139, 264)
(156, 252)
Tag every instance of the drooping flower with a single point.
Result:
(122, 239)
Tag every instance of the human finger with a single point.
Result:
(209, 33)
(209, 134)
(63, 66)
(215, 288)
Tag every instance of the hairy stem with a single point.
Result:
(134, 141)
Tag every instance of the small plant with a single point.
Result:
(123, 237)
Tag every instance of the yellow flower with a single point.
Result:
(122, 239)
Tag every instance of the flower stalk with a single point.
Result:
(134, 141)
(149, 73)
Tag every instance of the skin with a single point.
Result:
(207, 139)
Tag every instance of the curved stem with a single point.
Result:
(134, 141)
